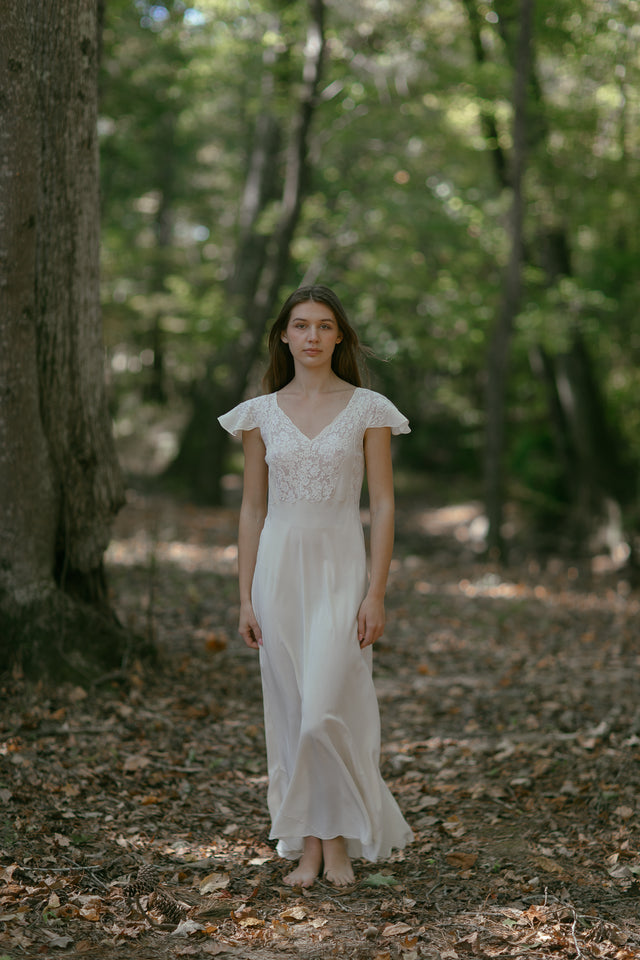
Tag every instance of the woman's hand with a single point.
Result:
(249, 628)
(371, 620)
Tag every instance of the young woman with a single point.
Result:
(306, 601)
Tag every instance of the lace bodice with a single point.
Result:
(329, 467)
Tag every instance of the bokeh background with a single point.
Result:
(247, 147)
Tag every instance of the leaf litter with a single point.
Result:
(133, 815)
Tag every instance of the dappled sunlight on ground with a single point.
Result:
(498, 586)
(154, 530)
(464, 521)
(140, 550)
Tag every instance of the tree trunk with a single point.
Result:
(596, 467)
(497, 360)
(60, 483)
(261, 265)
(155, 390)
(595, 460)
(487, 114)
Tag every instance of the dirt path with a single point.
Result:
(511, 739)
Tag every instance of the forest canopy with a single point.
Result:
(404, 197)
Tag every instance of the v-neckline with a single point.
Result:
(326, 426)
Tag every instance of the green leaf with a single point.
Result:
(380, 880)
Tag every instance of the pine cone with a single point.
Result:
(145, 882)
(170, 909)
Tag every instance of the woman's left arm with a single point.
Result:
(377, 454)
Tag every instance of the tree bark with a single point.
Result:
(261, 265)
(497, 360)
(60, 483)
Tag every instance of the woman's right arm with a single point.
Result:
(252, 515)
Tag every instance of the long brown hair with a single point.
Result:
(346, 355)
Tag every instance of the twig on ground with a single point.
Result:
(340, 903)
(573, 935)
(433, 887)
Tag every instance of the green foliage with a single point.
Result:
(379, 880)
(406, 214)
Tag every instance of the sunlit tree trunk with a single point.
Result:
(498, 356)
(60, 484)
(260, 270)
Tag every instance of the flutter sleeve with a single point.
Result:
(242, 417)
(382, 413)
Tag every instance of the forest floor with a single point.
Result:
(511, 739)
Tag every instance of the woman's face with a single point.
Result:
(312, 333)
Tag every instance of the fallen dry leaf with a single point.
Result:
(546, 863)
(396, 929)
(461, 859)
(214, 881)
(296, 912)
(135, 762)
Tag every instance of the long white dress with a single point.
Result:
(321, 714)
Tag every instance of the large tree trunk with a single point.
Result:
(261, 264)
(497, 360)
(60, 484)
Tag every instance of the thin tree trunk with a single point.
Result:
(487, 116)
(497, 360)
(163, 229)
(260, 188)
(261, 265)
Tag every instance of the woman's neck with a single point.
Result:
(314, 382)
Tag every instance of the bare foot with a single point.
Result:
(309, 864)
(337, 865)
